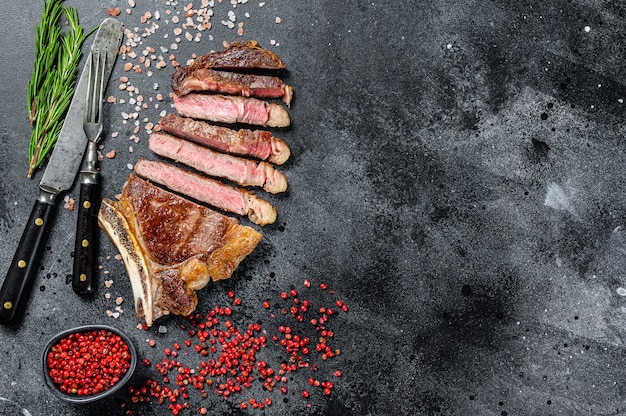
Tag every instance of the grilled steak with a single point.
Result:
(236, 200)
(245, 172)
(258, 143)
(240, 55)
(231, 109)
(188, 79)
(171, 247)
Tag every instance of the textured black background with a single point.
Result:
(456, 176)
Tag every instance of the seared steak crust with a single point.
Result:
(174, 229)
(240, 55)
(171, 247)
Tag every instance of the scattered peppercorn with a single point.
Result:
(230, 363)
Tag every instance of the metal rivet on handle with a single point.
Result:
(8, 305)
(21, 264)
(83, 277)
(86, 204)
(85, 243)
(38, 222)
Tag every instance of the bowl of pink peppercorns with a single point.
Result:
(88, 363)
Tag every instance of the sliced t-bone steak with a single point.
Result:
(171, 247)
(245, 172)
(256, 143)
(231, 109)
(210, 191)
(186, 79)
(240, 55)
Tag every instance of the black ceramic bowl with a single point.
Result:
(74, 398)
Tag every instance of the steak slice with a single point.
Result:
(186, 79)
(245, 172)
(231, 109)
(210, 191)
(240, 55)
(256, 143)
(171, 247)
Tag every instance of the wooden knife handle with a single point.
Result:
(85, 247)
(23, 269)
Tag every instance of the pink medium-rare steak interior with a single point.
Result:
(231, 109)
(210, 191)
(187, 79)
(245, 172)
(256, 143)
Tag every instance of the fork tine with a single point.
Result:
(89, 87)
(95, 91)
(100, 72)
(91, 84)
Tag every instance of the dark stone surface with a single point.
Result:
(456, 177)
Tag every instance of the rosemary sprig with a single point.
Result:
(52, 85)
(46, 50)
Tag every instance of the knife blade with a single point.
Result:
(58, 177)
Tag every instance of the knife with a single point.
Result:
(59, 176)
